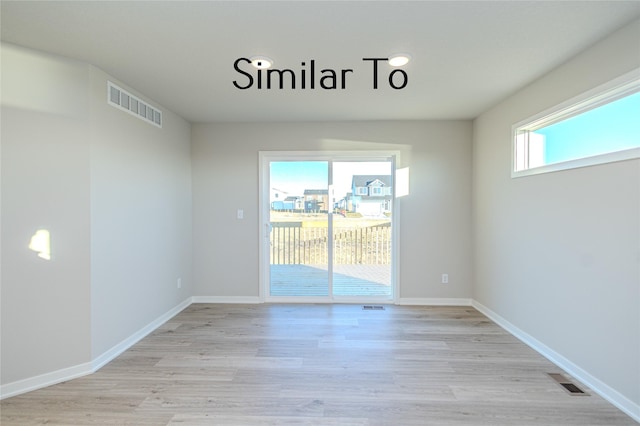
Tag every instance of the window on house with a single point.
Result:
(599, 127)
(376, 190)
(361, 190)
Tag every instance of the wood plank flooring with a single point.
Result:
(318, 365)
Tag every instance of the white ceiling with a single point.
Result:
(466, 55)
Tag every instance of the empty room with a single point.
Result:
(320, 212)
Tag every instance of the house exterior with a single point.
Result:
(282, 201)
(316, 200)
(344, 204)
(277, 194)
(371, 195)
(290, 203)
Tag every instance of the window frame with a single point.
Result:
(618, 88)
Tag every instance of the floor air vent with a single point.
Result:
(121, 99)
(567, 385)
(373, 307)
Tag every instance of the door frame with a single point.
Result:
(265, 157)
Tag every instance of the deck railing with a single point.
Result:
(295, 244)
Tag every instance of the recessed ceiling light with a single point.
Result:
(261, 62)
(399, 59)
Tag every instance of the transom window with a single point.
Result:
(598, 127)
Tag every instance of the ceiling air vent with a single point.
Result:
(120, 98)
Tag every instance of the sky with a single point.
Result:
(609, 128)
(296, 176)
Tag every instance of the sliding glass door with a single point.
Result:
(299, 228)
(362, 249)
(327, 231)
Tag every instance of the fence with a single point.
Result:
(294, 244)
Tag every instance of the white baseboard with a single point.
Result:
(427, 301)
(44, 380)
(100, 361)
(65, 374)
(226, 299)
(614, 397)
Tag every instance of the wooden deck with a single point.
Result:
(348, 280)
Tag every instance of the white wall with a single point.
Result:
(45, 184)
(114, 191)
(435, 231)
(557, 255)
(140, 217)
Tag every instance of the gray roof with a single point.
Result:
(316, 192)
(366, 180)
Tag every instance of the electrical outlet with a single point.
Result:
(179, 283)
(240, 214)
(445, 278)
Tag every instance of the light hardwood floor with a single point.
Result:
(319, 365)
